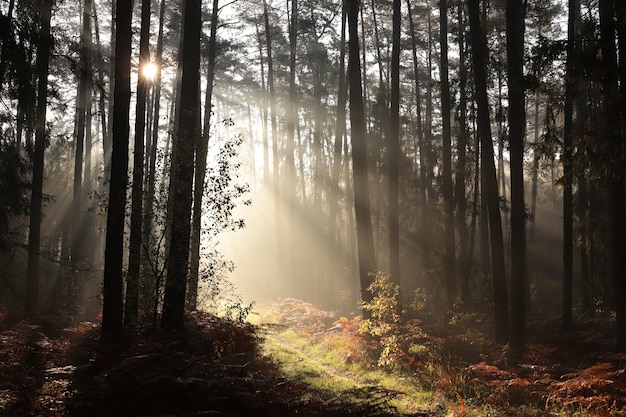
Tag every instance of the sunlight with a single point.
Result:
(150, 70)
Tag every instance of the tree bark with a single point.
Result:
(34, 228)
(365, 241)
(424, 253)
(181, 181)
(449, 263)
(394, 149)
(131, 310)
(613, 144)
(515, 28)
(200, 174)
(479, 48)
(459, 189)
(568, 220)
(112, 308)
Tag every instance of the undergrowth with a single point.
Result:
(458, 373)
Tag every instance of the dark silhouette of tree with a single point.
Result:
(112, 308)
(568, 252)
(365, 241)
(180, 188)
(44, 12)
(201, 159)
(515, 28)
(424, 253)
(449, 262)
(82, 109)
(612, 142)
(131, 308)
(459, 186)
(479, 61)
(393, 150)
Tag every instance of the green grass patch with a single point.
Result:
(324, 367)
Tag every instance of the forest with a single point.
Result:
(313, 207)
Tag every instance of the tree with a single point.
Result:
(134, 256)
(459, 187)
(448, 192)
(618, 207)
(568, 127)
(201, 156)
(112, 308)
(394, 148)
(34, 230)
(83, 107)
(498, 274)
(517, 126)
(614, 151)
(424, 255)
(181, 181)
(365, 241)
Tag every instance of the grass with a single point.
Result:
(325, 367)
(438, 381)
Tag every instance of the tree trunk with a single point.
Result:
(201, 157)
(107, 143)
(424, 253)
(501, 310)
(618, 206)
(394, 149)
(568, 238)
(365, 241)
(182, 179)
(34, 229)
(459, 191)
(275, 158)
(613, 144)
(131, 310)
(112, 309)
(449, 263)
(515, 28)
(81, 111)
(340, 132)
(150, 285)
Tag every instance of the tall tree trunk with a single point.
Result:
(459, 189)
(289, 175)
(107, 144)
(424, 253)
(201, 157)
(266, 162)
(150, 284)
(131, 310)
(515, 28)
(81, 112)
(428, 132)
(34, 229)
(619, 202)
(275, 158)
(479, 49)
(394, 149)
(112, 309)
(340, 132)
(449, 263)
(100, 68)
(613, 143)
(568, 220)
(365, 241)
(183, 169)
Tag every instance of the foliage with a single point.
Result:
(395, 336)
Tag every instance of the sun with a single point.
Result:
(150, 70)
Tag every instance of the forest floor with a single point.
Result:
(302, 361)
